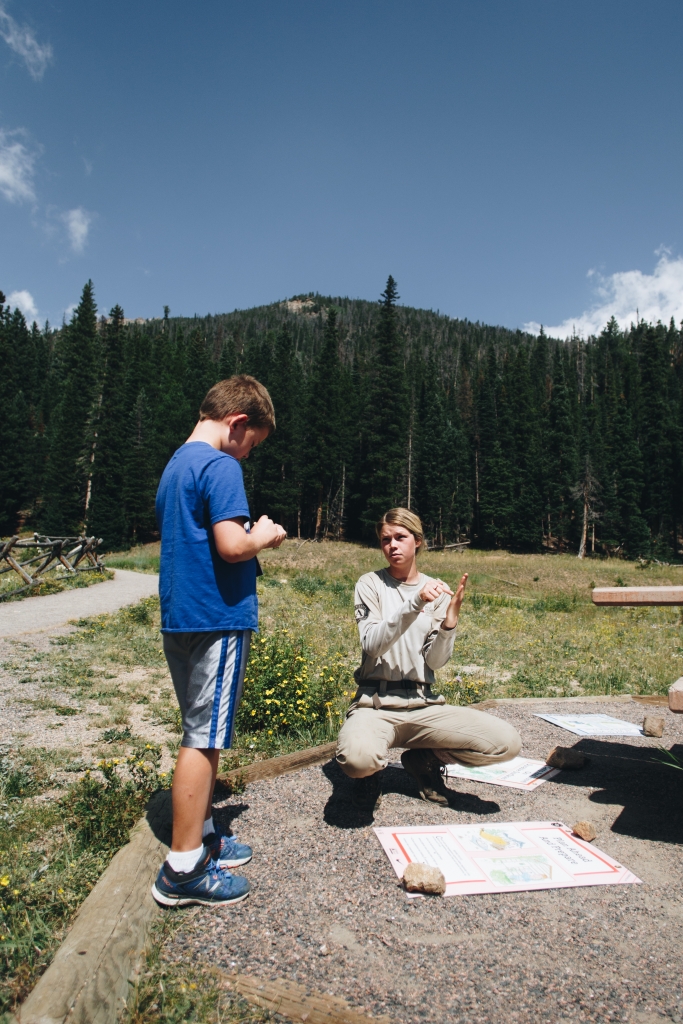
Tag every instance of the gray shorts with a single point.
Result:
(207, 670)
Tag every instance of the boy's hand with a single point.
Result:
(268, 533)
(234, 544)
(455, 604)
(433, 589)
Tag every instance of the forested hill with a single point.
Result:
(422, 331)
(496, 436)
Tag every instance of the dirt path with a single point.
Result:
(36, 614)
(320, 878)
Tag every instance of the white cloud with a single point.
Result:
(24, 300)
(628, 295)
(21, 39)
(16, 167)
(78, 223)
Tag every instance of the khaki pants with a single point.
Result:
(457, 735)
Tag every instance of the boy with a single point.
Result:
(207, 586)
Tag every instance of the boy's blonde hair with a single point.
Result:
(240, 394)
(402, 517)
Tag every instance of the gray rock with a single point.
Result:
(653, 726)
(565, 757)
(423, 878)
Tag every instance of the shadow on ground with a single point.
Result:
(159, 813)
(340, 811)
(650, 792)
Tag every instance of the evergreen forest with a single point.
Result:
(493, 436)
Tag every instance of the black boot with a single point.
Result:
(367, 792)
(425, 768)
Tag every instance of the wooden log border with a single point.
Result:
(89, 979)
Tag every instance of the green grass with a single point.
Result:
(180, 993)
(144, 558)
(53, 582)
(527, 627)
(52, 851)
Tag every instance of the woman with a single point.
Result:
(406, 622)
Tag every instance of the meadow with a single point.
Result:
(527, 628)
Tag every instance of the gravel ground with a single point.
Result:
(320, 879)
(22, 724)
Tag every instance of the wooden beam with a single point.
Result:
(634, 597)
(275, 766)
(297, 1002)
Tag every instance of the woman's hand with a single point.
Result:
(433, 589)
(451, 620)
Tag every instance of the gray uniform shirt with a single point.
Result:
(403, 642)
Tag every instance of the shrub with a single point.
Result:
(102, 811)
(283, 692)
(459, 691)
(16, 778)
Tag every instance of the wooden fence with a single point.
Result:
(53, 553)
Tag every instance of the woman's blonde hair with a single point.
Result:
(402, 517)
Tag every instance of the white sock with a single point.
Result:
(209, 827)
(184, 860)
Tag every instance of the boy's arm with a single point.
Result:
(234, 544)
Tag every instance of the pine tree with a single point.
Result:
(227, 366)
(386, 428)
(274, 467)
(526, 521)
(562, 462)
(323, 429)
(15, 426)
(439, 459)
(494, 464)
(172, 418)
(140, 485)
(656, 431)
(63, 511)
(200, 372)
(106, 512)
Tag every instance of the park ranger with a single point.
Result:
(407, 625)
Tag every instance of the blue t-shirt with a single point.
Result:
(199, 591)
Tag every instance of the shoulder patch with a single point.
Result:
(362, 611)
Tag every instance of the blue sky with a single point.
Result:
(510, 162)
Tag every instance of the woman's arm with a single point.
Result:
(377, 635)
(438, 646)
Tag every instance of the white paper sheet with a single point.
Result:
(503, 856)
(593, 725)
(519, 773)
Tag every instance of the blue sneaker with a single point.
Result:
(207, 883)
(226, 851)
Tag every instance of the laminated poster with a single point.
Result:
(503, 857)
(519, 773)
(593, 725)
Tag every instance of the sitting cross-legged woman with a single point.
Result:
(406, 622)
